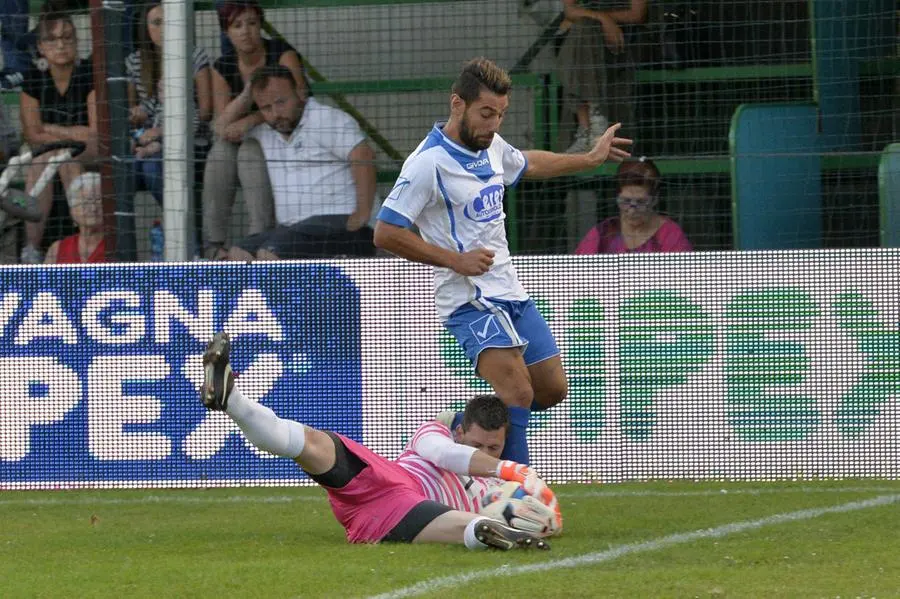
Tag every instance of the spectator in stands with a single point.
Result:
(596, 69)
(638, 228)
(144, 69)
(21, 46)
(57, 103)
(322, 173)
(86, 206)
(235, 156)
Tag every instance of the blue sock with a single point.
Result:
(516, 448)
(457, 421)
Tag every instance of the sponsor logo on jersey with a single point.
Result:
(487, 206)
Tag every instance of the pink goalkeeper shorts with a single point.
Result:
(377, 499)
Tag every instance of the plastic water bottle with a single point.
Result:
(157, 243)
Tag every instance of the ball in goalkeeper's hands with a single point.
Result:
(511, 504)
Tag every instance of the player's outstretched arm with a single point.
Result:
(544, 165)
(402, 242)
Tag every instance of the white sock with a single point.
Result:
(469, 535)
(264, 428)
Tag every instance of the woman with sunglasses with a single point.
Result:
(57, 103)
(638, 227)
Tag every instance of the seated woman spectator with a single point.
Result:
(86, 206)
(638, 228)
(57, 103)
(235, 155)
(144, 69)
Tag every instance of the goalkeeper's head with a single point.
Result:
(484, 425)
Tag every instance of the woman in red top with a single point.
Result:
(638, 228)
(86, 207)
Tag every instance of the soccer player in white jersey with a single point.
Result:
(376, 499)
(451, 187)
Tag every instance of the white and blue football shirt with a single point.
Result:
(455, 197)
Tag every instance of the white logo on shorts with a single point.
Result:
(484, 328)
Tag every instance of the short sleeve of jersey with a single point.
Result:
(514, 164)
(415, 189)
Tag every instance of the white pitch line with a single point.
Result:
(724, 491)
(614, 553)
(279, 499)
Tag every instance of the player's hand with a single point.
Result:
(509, 470)
(529, 479)
(533, 516)
(556, 525)
(610, 147)
(473, 263)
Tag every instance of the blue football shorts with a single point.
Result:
(485, 323)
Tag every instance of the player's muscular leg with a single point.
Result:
(505, 370)
(548, 379)
(318, 455)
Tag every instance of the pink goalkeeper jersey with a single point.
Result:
(460, 492)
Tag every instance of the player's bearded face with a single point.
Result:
(471, 137)
(481, 119)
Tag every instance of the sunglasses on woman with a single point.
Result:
(642, 203)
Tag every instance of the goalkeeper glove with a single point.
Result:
(556, 522)
(532, 516)
(529, 479)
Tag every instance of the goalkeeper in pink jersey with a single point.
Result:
(409, 500)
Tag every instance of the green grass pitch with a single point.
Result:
(661, 539)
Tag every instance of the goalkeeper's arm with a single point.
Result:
(444, 453)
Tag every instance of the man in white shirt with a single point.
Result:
(451, 187)
(431, 493)
(322, 174)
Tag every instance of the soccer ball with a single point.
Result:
(514, 506)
